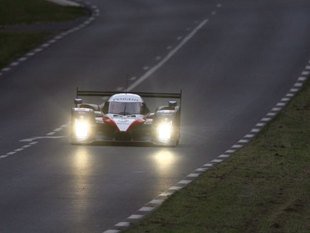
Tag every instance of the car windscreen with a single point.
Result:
(125, 108)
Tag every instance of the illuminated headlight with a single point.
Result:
(164, 131)
(81, 129)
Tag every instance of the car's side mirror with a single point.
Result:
(172, 104)
(77, 101)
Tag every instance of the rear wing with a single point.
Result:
(142, 94)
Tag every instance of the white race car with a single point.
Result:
(125, 117)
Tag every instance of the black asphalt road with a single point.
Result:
(232, 71)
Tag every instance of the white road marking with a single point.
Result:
(224, 156)
(169, 56)
(135, 216)
(243, 141)
(217, 161)
(34, 139)
(146, 209)
(15, 63)
(50, 133)
(3, 156)
(290, 95)
(249, 136)
(260, 124)
(146, 67)
(271, 114)
(281, 104)
(294, 89)
(208, 165)
(157, 58)
(305, 73)
(255, 130)
(285, 99)
(156, 202)
(6, 69)
(276, 109)
(122, 224)
(19, 149)
(237, 146)
(230, 151)
(165, 194)
(266, 119)
(112, 231)
(37, 50)
(302, 79)
(30, 54)
(201, 169)
(298, 84)
(22, 59)
(133, 78)
(184, 182)
(11, 153)
(175, 188)
(193, 175)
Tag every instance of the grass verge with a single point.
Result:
(12, 12)
(264, 187)
(34, 11)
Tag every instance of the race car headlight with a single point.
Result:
(81, 129)
(164, 131)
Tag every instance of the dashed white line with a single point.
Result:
(217, 161)
(135, 216)
(201, 169)
(175, 188)
(184, 182)
(6, 69)
(271, 114)
(302, 79)
(294, 90)
(122, 224)
(255, 130)
(169, 56)
(146, 209)
(193, 175)
(156, 202)
(11, 153)
(276, 109)
(208, 165)
(266, 119)
(230, 151)
(249, 136)
(281, 104)
(165, 194)
(15, 63)
(112, 231)
(224, 156)
(260, 124)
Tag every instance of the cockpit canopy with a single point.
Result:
(125, 104)
(124, 108)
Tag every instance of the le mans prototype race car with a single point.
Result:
(125, 117)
